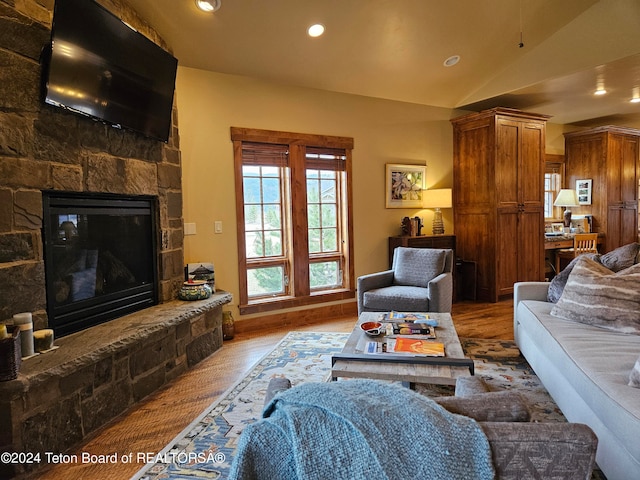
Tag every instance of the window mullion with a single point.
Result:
(299, 227)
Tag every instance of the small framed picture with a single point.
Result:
(201, 271)
(557, 228)
(583, 188)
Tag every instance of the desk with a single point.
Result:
(565, 241)
(556, 242)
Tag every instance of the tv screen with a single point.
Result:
(101, 67)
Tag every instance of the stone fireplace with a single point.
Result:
(61, 397)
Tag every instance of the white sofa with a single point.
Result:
(586, 370)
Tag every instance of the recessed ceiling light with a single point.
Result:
(451, 61)
(600, 91)
(209, 6)
(315, 30)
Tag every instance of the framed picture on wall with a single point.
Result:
(583, 188)
(404, 185)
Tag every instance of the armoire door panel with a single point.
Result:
(530, 256)
(531, 167)
(507, 252)
(472, 186)
(507, 155)
(474, 240)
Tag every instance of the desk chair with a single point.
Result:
(582, 243)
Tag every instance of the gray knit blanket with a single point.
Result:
(360, 429)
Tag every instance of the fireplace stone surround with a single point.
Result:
(60, 397)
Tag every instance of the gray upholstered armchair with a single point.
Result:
(420, 280)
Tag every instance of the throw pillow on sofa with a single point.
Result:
(634, 376)
(621, 258)
(596, 296)
(616, 260)
(556, 287)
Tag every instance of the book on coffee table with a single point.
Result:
(415, 346)
(410, 328)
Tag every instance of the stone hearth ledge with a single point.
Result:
(63, 395)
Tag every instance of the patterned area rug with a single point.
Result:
(205, 449)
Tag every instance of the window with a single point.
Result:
(552, 184)
(294, 226)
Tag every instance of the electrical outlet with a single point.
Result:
(217, 226)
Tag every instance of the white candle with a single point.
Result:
(25, 322)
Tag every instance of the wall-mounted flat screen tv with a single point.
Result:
(101, 67)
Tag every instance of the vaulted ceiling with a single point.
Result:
(395, 49)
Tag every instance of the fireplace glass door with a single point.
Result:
(100, 258)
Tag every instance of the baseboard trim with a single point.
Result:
(295, 318)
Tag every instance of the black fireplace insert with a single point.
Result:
(100, 258)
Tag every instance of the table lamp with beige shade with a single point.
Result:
(437, 198)
(567, 198)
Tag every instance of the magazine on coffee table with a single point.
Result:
(404, 346)
(415, 346)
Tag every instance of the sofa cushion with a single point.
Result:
(634, 376)
(595, 295)
(417, 266)
(557, 284)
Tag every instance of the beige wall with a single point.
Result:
(384, 132)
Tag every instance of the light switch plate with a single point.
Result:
(189, 228)
(217, 226)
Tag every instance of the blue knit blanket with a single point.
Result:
(360, 429)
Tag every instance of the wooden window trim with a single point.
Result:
(297, 143)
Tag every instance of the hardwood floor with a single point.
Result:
(153, 423)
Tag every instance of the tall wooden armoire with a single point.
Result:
(498, 197)
(609, 156)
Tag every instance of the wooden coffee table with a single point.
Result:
(353, 363)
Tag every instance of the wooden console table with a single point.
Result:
(423, 241)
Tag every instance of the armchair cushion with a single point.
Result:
(417, 266)
(403, 298)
